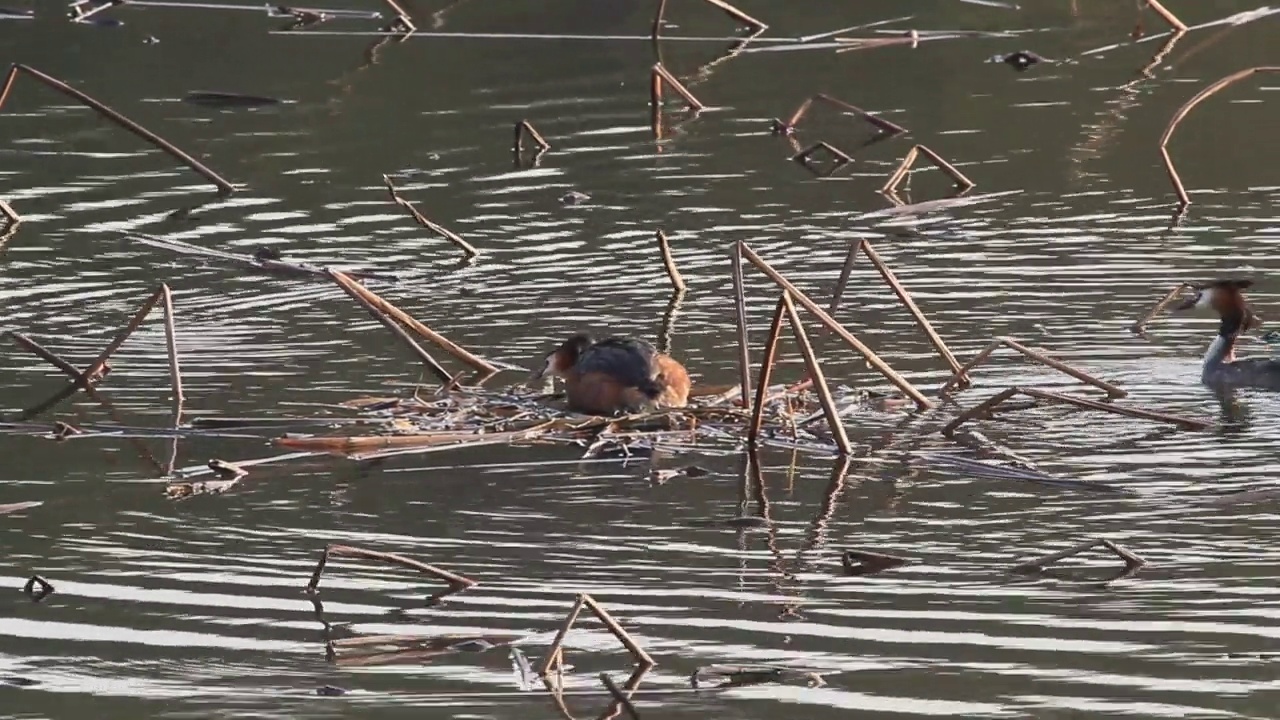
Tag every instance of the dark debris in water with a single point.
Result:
(1020, 60)
(228, 99)
(330, 691)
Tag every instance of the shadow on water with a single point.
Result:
(764, 584)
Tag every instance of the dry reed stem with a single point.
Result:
(788, 127)
(1168, 17)
(740, 308)
(454, 580)
(48, 356)
(988, 406)
(669, 262)
(815, 374)
(905, 298)
(766, 371)
(124, 122)
(1183, 199)
(467, 248)
(656, 31)
(619, 697)
(427, 360)
(1012, 344)
(1169, 297)
(804, 156)
(1131, 560)
(660, 77)
(388, 309)
(524, 128)
(888, 372)
(891, 186)
(866, 562)
(80, 15)
(353, 445)
(171, 343)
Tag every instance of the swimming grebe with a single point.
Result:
(1220, 365)
(616, 375)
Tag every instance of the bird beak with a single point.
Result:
(1202, 298)
(539, 372)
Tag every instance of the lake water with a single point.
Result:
(196, 608)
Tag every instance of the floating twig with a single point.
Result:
(387, 308)
(989, 405)
(402, 17)
(1011, 343)
(1131, 561)
(467, 248)
(755, 25)
(456, 582)
(1183, 198)
(669, 262)
(556, 652)
(740, 675)
(18, 506)
(874, 360)
(789, 127)
(124, 122)
(866, 562)
(661, 76)
(427, 360)
(815, 374)
(11, 216)
(1163, 303)
(259, 261)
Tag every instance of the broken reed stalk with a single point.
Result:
(874, 360)
(619, 697)
(788, 127)
(1183, 198)
(523, 129)
(427, 360)
(1168, 17)
(557, 649)
(402, 16)
(387, 308)
(453, 579)
(100, 362)
(962, 182)
(555, 654)
(39, 350)
(467, 248)
(124, 122)
(988, 406)
(1111, 390)
(1163, 303)
(841, 157)
(905, 298)
(660, 77)
(815, 374)
(740, 315)
(766, 371)
(669, 262)
(171, 342)
(10, 215)
(756, 26)
(1131, 560)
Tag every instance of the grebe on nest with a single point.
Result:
(616, 375)
(1220, 365)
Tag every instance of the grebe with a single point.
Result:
(616, 375)
(1220, 365)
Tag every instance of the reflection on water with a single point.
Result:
(196, 607)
